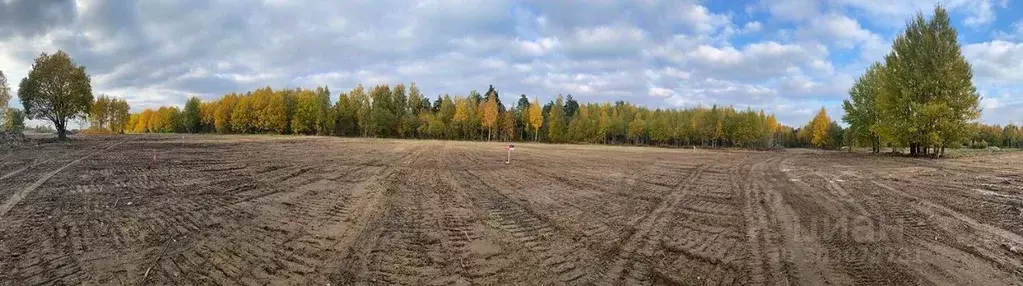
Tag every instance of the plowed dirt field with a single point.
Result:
(318, 210)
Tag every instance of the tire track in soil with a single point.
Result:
(301, 219)
(843, 243)
(626, 267)
(20, 195)
(463, 246)
(801, 257)
(767, 259)
(374, 215)
(984, 241)
(567, 260)
(706, 243)
(22, 169)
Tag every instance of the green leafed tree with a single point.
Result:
(56, 89)
(928, 99)
(192, 119)
(861, 108)
(305, 117)
(14, 120)
(556, 121)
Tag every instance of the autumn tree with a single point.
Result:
(98, 112)
(56, 89)
(142, 125)
(309, 110)
(207, 115)
(819, 129)
(274, 115)
(164, 120)
(637, 128)
(222, 115)
(508, 126)
(133, 121)
(242, 116)
(462, 115)
(535, 116)
(489, 111)
(118, 114)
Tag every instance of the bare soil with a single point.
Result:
(318, 210)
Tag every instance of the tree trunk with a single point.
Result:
(61, 130)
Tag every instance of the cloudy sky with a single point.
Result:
(788, 57)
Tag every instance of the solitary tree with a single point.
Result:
(57, 90)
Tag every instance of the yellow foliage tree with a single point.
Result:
(207, 114)
(242, 116)
(222, 115)
(462, 112)
(535, 118)
(819, 128)
(508, 125)
(142, 125)
(488, 110)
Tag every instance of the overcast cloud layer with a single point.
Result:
(788, 57)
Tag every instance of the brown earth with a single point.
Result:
(310, 210)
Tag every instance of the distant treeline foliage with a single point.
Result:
(404, 112)
(108, 114)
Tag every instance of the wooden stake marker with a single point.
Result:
(510, 148)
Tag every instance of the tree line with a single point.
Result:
(404, 112)
(983, 136)
(920, 97)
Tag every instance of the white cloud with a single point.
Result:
(789, 56)
(755, 61)
(844, 32)
(752, 27)
(791, 10)
(996, 61)
(978, 12)
(606, 39)
(701, 19)
(538, 47)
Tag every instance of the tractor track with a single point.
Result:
(295, 210)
